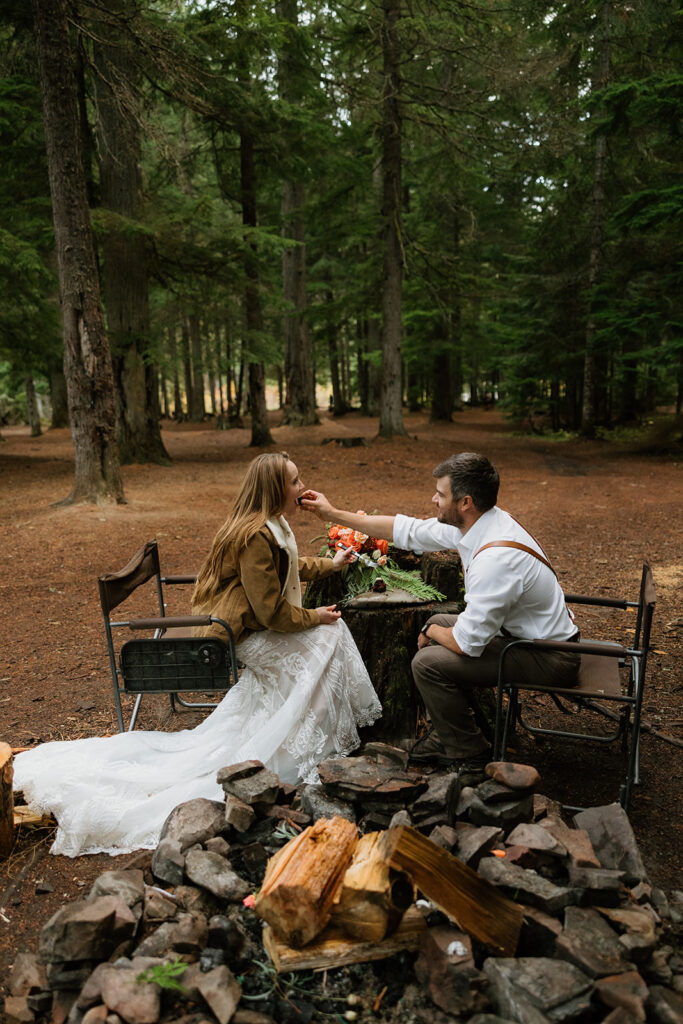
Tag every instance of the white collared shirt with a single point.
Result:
(504, 587)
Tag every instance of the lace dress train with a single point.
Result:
(299, 699)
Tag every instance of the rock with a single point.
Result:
(657, 969)
(168, 862)
(27, 975)
(639, 927)
(190, 933)
(516, 776)
(528, 886)
(492, 792)
(238, 814)
(96, 1015)
(212, 872)
(158, 942)
(86, 930)
(194, 821)
(242, 770)
(538, 934)
(360, 778)
(159, 905)
(613, 840)
(596, 885)
(195, 900)
(523, 857)
(401, 817)
(535, 990)
(137, 1003)
(91, 993)
(544, 806)
(445, 965)
(251, 1017)
(467, 797)
(17, 1010)
(261, 788)
(221, 992)
(663, 1006)
(127, 885)
(504, 814)
(627, 990)
(67, 977)
(286, 814)
(316, 802)
(475, 842)
(575, 840)
(537, 838)
(227, 933)
(62, 1003)
(218, 845)
(385, 752)
(444, 836)
(589, 943)
(619, 1016)
(251, 862)
(440, 797)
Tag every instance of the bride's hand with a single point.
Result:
(344, 556)
(316, 502)
(328, 614)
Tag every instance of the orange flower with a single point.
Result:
(333, 532)
(383, 546)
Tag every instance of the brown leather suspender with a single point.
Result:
(514, 544)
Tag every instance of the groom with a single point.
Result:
(511, 591)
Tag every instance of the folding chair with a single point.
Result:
(173, 661)
(609, 672)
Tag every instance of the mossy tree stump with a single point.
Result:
(385, 628)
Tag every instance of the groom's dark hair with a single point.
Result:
(471, 474)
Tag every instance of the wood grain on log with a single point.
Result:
(334, 948)
(474, 904)
(6, 801)
(302, 879)
(373, 897)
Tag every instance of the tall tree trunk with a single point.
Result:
(173, 352)
(87, 359)
(339, 406)
(390, 412)
(590, 365)
(125, 275)
(187, 370)
(260, 431)
(197, 360)
(442, 387)
(32, 413)
(60, 408)
(300, 389)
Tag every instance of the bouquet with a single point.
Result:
(373, 568)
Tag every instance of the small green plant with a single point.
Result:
(166, 976)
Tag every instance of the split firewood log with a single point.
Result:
(373, 897)
(476, 905)
(6, 801)
(302, 879)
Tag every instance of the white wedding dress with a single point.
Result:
(299, 700)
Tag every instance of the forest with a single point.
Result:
(395, 204)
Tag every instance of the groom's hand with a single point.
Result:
(316, 502)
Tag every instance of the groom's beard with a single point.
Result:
(452, 518)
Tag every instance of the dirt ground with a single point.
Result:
(598, 509)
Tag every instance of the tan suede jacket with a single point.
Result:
(251, 596)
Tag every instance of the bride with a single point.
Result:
(302, 694)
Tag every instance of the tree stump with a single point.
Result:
(6, 801)
(385, 628)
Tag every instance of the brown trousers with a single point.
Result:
(443, 679)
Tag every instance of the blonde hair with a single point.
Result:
(261, 496)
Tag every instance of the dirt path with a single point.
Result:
(599, 511)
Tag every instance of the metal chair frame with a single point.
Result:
(602, 658)
(173, 656)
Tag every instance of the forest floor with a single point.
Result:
(598, 508)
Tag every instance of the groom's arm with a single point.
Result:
(375, 526)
